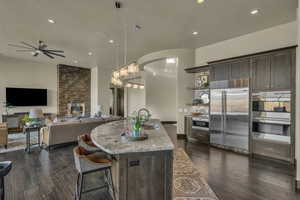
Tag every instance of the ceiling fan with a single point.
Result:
(40, 49)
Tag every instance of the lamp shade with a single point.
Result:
(36, 113)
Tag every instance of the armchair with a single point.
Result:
(3, 134)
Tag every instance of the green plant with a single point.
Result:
(137, 125)
(7, 106)
(26, 119)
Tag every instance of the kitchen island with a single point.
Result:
(142, 170)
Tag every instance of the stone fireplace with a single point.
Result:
(74, 90)
(76, 109)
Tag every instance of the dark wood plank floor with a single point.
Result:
(43, 175)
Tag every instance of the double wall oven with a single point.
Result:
(271, 124)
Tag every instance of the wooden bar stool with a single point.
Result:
(86, 163)
(85, 141)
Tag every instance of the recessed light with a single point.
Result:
(254, 12)
(51, 21)
(111, 41)
(195, 33)
(200, 1)
(90, 53)
(171, 60)
(75, 61)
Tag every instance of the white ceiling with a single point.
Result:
(87, 25)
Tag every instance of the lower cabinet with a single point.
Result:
(276, 150)
(195, 134)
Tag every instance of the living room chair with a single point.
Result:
(3, 134)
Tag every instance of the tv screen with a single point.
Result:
(26, 97)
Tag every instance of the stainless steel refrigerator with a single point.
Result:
(229, 115)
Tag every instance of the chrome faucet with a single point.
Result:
(144, 118)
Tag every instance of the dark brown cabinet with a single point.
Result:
(238, 69)
(261, 73)
(281, 70)
(219, 72)
(272, 71)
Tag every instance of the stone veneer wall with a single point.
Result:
(74, 84)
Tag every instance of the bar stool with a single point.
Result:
(5, 168)
(86, 163)
(85, 141)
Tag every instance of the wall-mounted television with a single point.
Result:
(26, 97)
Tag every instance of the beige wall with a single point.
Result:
(268, 39)
(298, 102)
(135, 100)
(185, 58)
(26, 74)
(160, 90)
(94, 90)
(100, 92)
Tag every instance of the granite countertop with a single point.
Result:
(108, 138)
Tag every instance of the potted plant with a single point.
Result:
(26, 120)
(137, 126)
(7, 107)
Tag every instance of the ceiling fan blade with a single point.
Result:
(56, 54)
(25, 50)
(48, 55)
(29, 45)
(35, 54)
(52, 50)
(20, 46)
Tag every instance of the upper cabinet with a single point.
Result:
(268, 71)
(273, 71)
(281, 70)
(219, 72)
(238, 69)
(261, 73)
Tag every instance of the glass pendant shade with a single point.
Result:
(124, 71)
(133, 68)
(116, 74)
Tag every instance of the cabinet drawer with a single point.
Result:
(275, 150)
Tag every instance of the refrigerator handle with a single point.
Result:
(225, 110)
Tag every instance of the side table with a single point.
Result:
(27, 130)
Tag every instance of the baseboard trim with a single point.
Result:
(169, 122)
(181, 136)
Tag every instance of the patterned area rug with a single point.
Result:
(188, 183)
(17, 141)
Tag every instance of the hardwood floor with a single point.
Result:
(42, 175)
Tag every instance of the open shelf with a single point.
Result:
(192, 104)
(206, 89)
